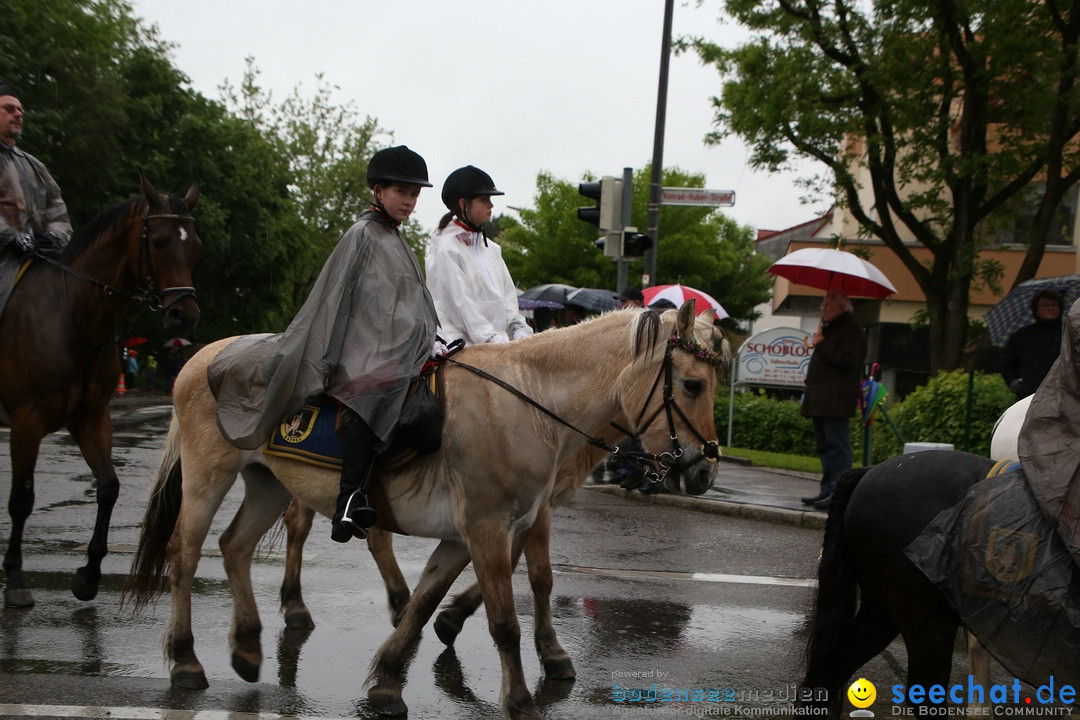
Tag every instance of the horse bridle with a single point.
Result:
(666, 461)
(147, 294)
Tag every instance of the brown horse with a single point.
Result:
(477, 495)
(59, 362)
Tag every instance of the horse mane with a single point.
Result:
(646, 332)
(86, 234)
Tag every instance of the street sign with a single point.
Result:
(696, 196)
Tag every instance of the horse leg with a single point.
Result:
(451, 619)
(24, 452)
(492, 557)
(381, 545)
(555, 660)
(298, 519)
(391, 661)
(184, 550)
(264, 500)
(94, 438)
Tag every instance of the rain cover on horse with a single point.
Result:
(1009, 577)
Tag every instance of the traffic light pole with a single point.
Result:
(656, 180)
(627, 199)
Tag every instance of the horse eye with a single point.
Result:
(694, 387)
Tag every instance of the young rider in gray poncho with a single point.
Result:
(361, 336)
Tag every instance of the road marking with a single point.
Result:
(700, 577)
(138, 713)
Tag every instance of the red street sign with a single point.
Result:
(696, 196)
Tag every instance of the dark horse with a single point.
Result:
(868, 590)
(59, 362)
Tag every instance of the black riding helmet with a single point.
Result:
(467, 183)
(397, 164)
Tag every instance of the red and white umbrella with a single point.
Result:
(830, 269)
(177, 342)
(678, 294)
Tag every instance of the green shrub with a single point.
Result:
(934, 412)
(937, 412)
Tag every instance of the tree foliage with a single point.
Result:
(697, 247)
(931, 118)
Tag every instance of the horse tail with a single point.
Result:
(146, 578)
(832, 626)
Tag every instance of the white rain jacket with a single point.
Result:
(472, 290)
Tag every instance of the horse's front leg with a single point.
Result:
(24, 452)
(391, 661)
(298, 520)
(493, 561)
(555, 660)
(93, 434)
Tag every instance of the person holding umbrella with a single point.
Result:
(466, 275)
(831, 396)
(1032, 350)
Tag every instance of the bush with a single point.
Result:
(937, 412)
(933, 412)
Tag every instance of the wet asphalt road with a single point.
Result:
(644, 594)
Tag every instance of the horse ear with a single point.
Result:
(709, 314)
(192, 198)
(685, 323)
(149, 192)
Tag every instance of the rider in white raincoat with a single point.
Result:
(469, 283)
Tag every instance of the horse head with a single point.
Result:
(168, 247)
(672, 409)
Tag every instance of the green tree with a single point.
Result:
(697, 247)
(930, 117)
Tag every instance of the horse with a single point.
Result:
(868, 590)
(477, 494)
(59, 361)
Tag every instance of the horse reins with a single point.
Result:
(667, 460)
(146, 294)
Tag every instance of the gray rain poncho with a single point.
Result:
(361, 336)
(1008, 556)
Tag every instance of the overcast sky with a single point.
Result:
(566, 86)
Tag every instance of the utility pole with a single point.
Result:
(656, 178)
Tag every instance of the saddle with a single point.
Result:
(309, 435)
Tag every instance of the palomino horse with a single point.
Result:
(868, 589)
(59, 362)
(476, 495)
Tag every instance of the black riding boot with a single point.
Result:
(354, 515)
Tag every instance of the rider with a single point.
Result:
(361, 337)
(469, 283)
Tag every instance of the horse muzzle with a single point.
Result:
(693, 473)
(180, 310)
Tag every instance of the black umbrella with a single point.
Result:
(552, 292)
(593, 299)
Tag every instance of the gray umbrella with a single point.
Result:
(593, 299)
(552, 292)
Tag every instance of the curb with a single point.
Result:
(784, 516)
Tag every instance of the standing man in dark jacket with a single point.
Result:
(1032, 350)
(832, 389)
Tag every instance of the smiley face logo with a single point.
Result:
(862, 693)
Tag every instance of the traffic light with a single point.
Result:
(606, 215)
(634, 243)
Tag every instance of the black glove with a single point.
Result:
(48, 243)
(25, 243)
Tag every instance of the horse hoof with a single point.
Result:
(83, 589)
(447, 628)
(560, 669)
(189, 680)
(299, 620)
(18, 598)
(387, 703)
(248, 671)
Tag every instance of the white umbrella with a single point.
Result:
(830, 269)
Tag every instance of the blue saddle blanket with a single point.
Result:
(309, 435)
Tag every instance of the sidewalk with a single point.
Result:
(741, 489)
